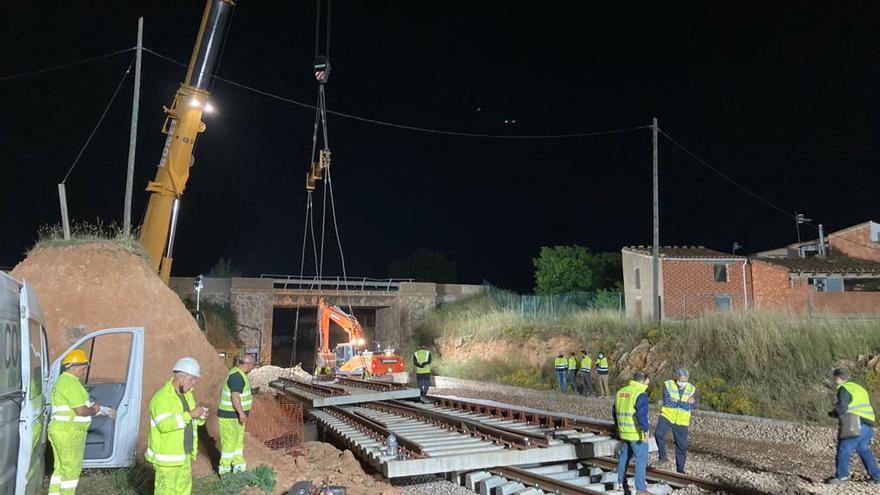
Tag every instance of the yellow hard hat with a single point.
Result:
(76, 356)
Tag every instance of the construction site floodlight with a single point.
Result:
(195, 103)
(361, 341)
(209, 108)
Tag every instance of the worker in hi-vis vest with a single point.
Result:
(422, 364)
(232, 415)
(630, 413)
(602, 374)
(678, 402)
(173, 442)
(560, 364)
(72, 413)
(571, 378)
(853, 410)
(584, 373)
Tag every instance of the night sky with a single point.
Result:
(782, 98)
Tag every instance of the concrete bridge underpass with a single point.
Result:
(389, 309)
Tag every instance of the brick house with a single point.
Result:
(799, 278)
(838, 274)
(693, 280)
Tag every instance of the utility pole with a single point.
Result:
(132, 140)
(655, 296)
(799, 218)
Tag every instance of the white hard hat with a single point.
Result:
(189, 366)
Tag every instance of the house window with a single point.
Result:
(722, 304)
(638, 279)
(721, 273)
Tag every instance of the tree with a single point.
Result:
(424, 265)
(561, 269)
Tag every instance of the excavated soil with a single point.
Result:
(95, 286)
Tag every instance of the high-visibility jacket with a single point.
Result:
(68, 394)
(167, 423)
(560, 364)
(677, 406)
(625, 410)
(586, 363)
(422, 356)
(602, 366)
(572, 364)
(244, 396)
(860, 405)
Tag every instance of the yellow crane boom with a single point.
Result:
(183, 123)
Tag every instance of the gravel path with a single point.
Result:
(773, 456)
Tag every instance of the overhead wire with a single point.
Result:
(98, 124)
(64, 66)
(350, 116)
(746, 190)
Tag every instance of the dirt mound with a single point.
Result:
(95, 286)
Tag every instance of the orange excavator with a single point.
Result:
(351, 358)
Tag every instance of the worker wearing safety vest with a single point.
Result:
(630, 413)
(422, 363)
(173, 441)
(602, 372)
(72, 413)
(586, 368)
(678, 402)
(571, 378)
(232, 415)
(560, 364)
(853, 404)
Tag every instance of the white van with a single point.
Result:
(26, 379)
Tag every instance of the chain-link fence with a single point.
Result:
(555, 305)
(277, 422)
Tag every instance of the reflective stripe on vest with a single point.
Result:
(677, 415)
(168, 421)
(572, 364)
(244, 396)
(860, 405)
(68, 386)
(422, 356)
(625, 409)
(602, 365)
(586, 364)
(560, 364)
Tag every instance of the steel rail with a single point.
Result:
(376, 429)
(542, 482)
(674, 479)
(546, 419)
(313, 388)
(370, 384)
(513, 438)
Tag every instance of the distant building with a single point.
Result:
(838, 273)
(693, 280)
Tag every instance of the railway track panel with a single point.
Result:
(341, 391)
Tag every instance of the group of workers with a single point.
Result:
(578, 373)
(172, 443)
(630, 411)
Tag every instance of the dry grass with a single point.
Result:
(50, 236)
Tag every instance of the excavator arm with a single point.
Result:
(328, 313)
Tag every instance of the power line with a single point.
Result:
(101, 119)
(64, 66)
(405, 126)
(748, 191)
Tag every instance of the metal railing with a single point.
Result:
(335, 283)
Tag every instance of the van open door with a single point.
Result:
(114, 379)
(34, 378)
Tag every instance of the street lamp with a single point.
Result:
(736, 246)
(198, 284)
(799, 218)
